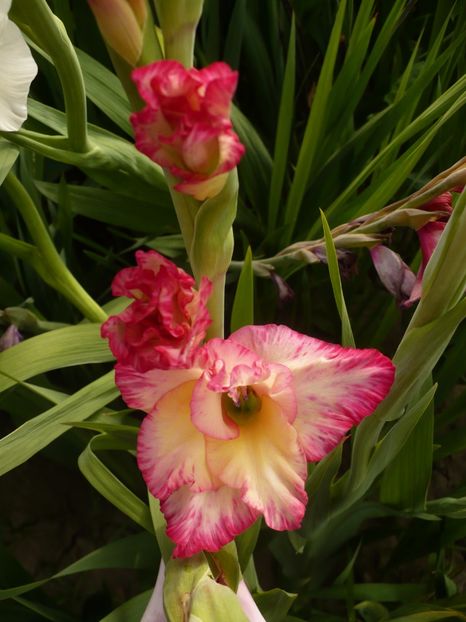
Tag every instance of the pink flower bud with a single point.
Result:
(10, 338)
(186, 126)
(393, 272)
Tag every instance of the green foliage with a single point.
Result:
(344, 109)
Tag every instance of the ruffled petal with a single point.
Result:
(265, 463)
(200, 151)
(199, 521)
(142, 390)
(207, 415)
(18, 71)
(150, 128)
(231, 151)
(335, 387)
(228, 365)
(221, 84)
(163, 79)
(171, 451)
(167, 319)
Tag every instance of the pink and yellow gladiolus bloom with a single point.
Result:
(186, 126)
(228, 434)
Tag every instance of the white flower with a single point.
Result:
(18, 71)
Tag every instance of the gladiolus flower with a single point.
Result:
(167, 320)
(121, 23)
(397, 277)
(228, 439)
(18, 71)
(186, 125)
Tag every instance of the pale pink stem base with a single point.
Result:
(155, 613)
(247, 603)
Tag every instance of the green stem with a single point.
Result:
(185, 209)
(216, 307)
(178, 20)
(20, 249)
(44, 27)
(57, 274)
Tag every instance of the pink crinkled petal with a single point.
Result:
(167, 320)
(221, 84)
(205, 521)
(335, 387)
(168, 78)
(227, 365)
(200, 151)
(155, 137)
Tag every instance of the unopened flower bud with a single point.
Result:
(10, 338)
(121, 23)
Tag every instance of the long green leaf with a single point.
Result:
(154, 216)
(133, 609)
(242, 313)
(37, 433)
(64, 347)
(284, 126)
(137, 551)
(104, 89)
(109, 486)
(404, 483)
(314, 129)
(255, 167)
(347, 338)
(8, 155)
(452, 100)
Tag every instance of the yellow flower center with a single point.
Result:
(240, 404)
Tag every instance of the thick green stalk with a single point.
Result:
(178, 20)
(36, 18)
(53, 268)
(216, 307)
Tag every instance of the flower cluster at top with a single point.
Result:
(186, 126)
(230, 423)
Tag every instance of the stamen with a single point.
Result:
(241, 403)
